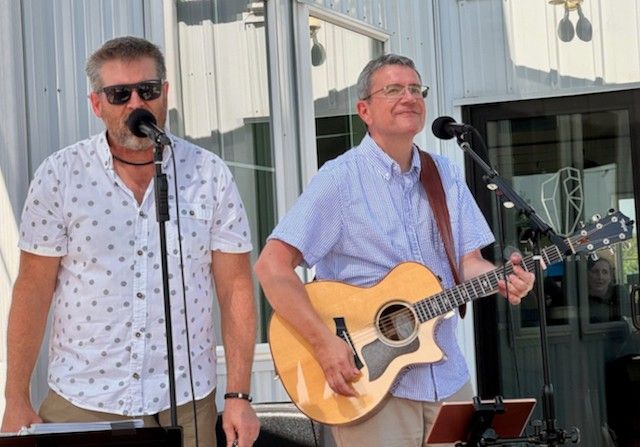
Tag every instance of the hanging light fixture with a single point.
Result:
(318, 53)
(566, 30)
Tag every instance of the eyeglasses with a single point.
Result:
(395, 91)
(121, 94)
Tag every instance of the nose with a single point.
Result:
(135, 101)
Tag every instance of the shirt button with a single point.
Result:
(140, 252)
(142, 214)
(140, 295)
(136, 376)
(192, 213)
(138, 334)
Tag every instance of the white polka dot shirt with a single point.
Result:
(107, 348)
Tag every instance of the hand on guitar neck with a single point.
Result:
(519, 283)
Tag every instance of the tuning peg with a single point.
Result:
(612, 251)
(596, 217)
(611, 211)
(594, 256)
(581, 224)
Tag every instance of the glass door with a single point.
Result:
(572, 159)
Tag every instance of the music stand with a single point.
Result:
(470, 421)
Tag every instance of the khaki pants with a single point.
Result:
(400, 423)
(55, 408)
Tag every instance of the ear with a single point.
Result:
(96, 105)
(362, 106)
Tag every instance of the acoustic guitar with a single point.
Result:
(392, 324)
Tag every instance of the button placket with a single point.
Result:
(139, 304)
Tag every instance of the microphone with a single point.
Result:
(142, 124)
(446, 128)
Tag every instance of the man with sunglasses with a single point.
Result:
(90, 245)
(361, 215)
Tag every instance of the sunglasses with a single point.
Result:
(121, 94)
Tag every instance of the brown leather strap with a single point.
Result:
(432, 183)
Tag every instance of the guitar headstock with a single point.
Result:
(603, 232)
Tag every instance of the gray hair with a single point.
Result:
(364, 80)
(127, 48)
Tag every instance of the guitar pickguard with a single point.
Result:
(378, 356)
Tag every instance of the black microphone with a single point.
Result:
(446, 128)
(142, 124)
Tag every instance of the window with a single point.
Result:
(223, 103)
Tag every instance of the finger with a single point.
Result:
(232, 437)
(521, 286)
(509, 291)
(342, 386)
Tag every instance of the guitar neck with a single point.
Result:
(482, 285)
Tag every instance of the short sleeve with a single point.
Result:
(230, 227)
(473, 229)
(313, 225)
(43, 228)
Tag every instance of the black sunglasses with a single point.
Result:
(121, 94)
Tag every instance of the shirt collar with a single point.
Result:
(104, 153)
(386, 165)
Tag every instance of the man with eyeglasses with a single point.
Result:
(90, 246)
(362, 214)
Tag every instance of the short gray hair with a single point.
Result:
(364, 80)
(127, 48)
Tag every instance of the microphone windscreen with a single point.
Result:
(439, 127)
(138, 117)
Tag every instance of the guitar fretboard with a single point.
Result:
(482, 285)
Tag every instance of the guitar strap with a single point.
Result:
(432, 183)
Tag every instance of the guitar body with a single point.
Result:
(383, 329)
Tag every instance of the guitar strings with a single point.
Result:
(386, 324)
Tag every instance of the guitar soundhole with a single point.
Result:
(397, 324)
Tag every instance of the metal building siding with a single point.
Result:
(13, 156)
(510, 49)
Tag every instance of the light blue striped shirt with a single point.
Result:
(360, 216)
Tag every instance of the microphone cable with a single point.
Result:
(184, 296)
(501, 245)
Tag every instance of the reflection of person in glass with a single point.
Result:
(604, 296)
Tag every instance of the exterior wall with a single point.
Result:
(494, 50)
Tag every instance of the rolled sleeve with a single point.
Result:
(43, 228)
(230, 230)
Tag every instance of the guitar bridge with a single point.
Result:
(341, 331)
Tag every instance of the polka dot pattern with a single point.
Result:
(107, 348)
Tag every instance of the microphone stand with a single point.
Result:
(161, 189)
(546, 431)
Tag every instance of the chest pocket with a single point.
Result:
(195, 224)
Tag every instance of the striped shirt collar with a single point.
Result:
(384, 164)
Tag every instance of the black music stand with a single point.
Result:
(134, 437)
(481, 423)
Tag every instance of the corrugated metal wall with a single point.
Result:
(495, 50)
